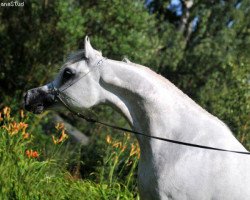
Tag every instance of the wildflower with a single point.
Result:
(1, 119)
(135, 150)
(62, 138)
(26, 135)
(123, 148)
(60, 126)
(31, 154)
(13, 128)
(54, 139)
(108, 139)
(22, 113)
(117, 145)
(6, 112)
(132, 151)
(23, 126)
(35, 154)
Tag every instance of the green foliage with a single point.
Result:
(119, 29)
(36, 38)
(227, 94)
(28, 173)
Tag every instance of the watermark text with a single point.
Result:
(12, 4)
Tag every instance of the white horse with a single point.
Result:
(154, 106)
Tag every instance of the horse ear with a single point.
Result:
(89, 51)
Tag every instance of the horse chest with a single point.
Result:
(153, 183)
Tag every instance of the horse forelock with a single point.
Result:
(79, 56)
(76, 56)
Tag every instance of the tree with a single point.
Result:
(121, 28)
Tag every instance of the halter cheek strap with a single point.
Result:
(58, 94)
(99, 63)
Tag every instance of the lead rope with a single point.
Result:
(94, 121)
(57, 94)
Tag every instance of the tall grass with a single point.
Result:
(28, 171)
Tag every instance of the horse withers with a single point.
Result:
(154, 106)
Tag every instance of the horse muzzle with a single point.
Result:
(37, 100)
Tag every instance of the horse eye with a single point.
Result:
(67, 74)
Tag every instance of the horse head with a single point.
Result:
(76, 85)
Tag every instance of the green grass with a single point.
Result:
(45, 174)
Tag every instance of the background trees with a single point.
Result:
(205, 48)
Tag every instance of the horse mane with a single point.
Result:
(148, 70)
(166, 83)
(126, 60)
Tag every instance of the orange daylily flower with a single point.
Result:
(1, 118)
(23, 126)
(135, 150)
(6, 112)
(123, 148)
(132, 151)
(26, 135)
(108, 139)
(35, 154)
(60, 126)
(62, 138)
(117, 145)
(31, 154)
(14, 127)
(22, 113)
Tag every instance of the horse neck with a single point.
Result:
(151, 103)
(154, 106)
